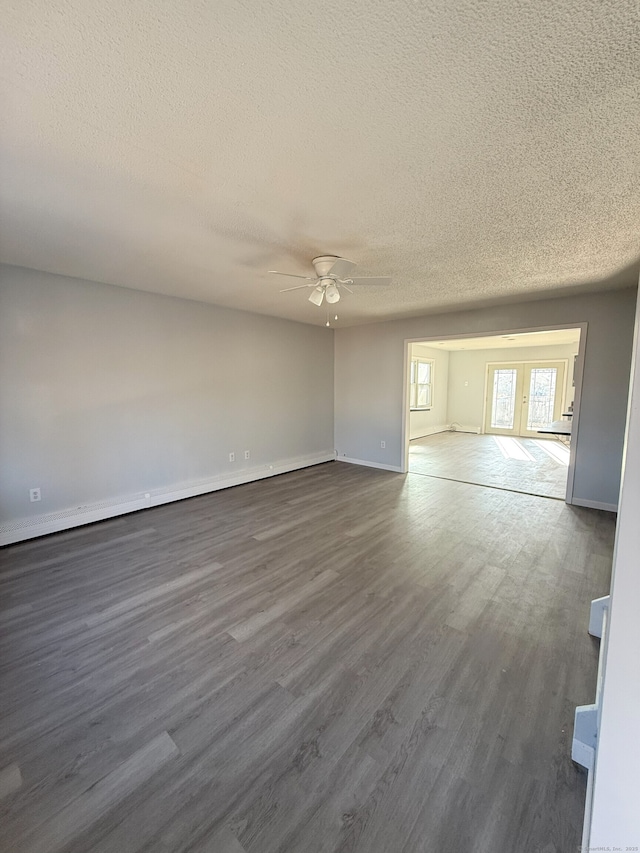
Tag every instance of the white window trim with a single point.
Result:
(413, 386)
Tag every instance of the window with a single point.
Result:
(503, 405)
(421, 383)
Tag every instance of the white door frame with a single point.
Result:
(577, 378)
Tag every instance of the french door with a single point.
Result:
(523, 397)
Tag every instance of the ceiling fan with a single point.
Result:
(332, 275)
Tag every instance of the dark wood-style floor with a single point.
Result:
(338, 659)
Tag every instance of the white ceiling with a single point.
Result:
(472, 151)
(553, 337)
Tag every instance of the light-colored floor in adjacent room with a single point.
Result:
(337, 659)
(534, 466)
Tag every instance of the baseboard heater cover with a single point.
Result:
(65, 519)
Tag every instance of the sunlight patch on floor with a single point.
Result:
(558, 452)
(511, 448)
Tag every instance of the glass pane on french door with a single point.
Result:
(503, 403)
(542, 397)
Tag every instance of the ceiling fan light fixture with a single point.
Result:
(317, 295)
(333, 274)
(332, 293)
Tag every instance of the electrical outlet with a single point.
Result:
(34, 495)
(383, 444)
(247, 454)
(232, 457)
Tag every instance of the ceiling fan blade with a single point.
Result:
(342, 268)
(370, 281)
(343, 285)
(293, 275)
(297, 287)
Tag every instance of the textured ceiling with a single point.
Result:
(472, 151)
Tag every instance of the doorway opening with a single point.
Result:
(497, 411)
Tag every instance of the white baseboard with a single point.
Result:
(41, 525)
(368, 464)
(594, 504)
(431, 431)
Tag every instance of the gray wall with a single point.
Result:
(369, 371)
(109, 392)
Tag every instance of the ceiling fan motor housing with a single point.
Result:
(323, 264)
